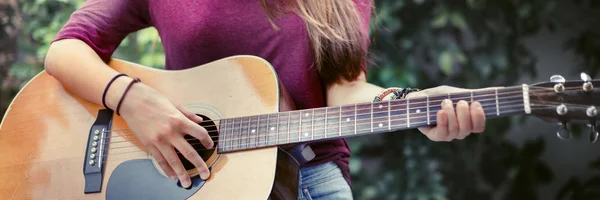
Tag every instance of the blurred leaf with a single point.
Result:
(440, 21)
(458, 20)
(445, 62)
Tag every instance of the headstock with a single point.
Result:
(565, 101)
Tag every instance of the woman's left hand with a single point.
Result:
(453, 123)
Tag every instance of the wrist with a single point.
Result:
(115, 92)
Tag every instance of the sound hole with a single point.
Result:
(202, 151)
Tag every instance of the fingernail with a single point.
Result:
(185, 183)
(446, 101)
(204, 175)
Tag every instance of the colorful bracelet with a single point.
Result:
(106, 89)
(397, 93)
(135, 80)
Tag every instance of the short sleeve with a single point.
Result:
(103, 24)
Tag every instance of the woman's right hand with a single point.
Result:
(161, 126)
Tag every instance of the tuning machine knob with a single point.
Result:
(564, 132)
(559, 81)
(593, 133)
(587, 85)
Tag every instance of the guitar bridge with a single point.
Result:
(95, 154)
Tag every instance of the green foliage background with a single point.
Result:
(416, 43)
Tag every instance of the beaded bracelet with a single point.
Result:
(397, 93)
(135, 80)
(106, 89)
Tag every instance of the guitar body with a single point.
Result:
(44, 135)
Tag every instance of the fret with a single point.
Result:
(273, 131)
(510, 101)
(235, 135)
(407, 112)
(252, 131)
(427, 113)
(319, 121)
(222, 135)
(326, 122)
(340, 122)
(435, 104)
(348, 124)
(487, 100)
(333, 122)
(497, 106)
(371, 118)
(461, 96)
(262, 130)
(312, 128)
(294, 127)
(306, 125)
(283, 130)
(418, 112)
(398, 114)
(354, 119)
(380, 119)
(389, 115)
(363, 120)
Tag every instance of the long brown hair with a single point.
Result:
(336, 32)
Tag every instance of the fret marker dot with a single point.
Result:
(380, 125)
(272, 128)
(347, 119)
(253, 130)
(305, 134)
(418, 111)
(306, 114)
(380, 106)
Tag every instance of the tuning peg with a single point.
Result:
(585, 77)
(564, 132)
(587, 86)
(593, 133)
(557, 79)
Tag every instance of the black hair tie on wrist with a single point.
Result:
(106, 89)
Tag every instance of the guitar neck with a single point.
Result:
(345, 121)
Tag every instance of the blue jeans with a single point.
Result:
(323, 182)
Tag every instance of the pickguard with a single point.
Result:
(139, 179)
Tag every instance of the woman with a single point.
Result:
(318, 49)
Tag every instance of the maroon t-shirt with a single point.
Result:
(195, 32)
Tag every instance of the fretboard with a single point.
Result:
(328, 123)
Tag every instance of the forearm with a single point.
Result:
(81, 71)
(358, 91)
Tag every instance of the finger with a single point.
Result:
(189, 114)
(162, 162)
(169, 153)
(463, 114)
(448, 108)
(440, 131)
(192, 155)
(477, 117)
(199, 132)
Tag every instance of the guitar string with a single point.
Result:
(435, 102)
(364, 123)
(345, 116)
(333, 113)
(240, 144)
(320, 128)
(508, 90)
(535, 107)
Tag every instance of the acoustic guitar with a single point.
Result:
(56, 145)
